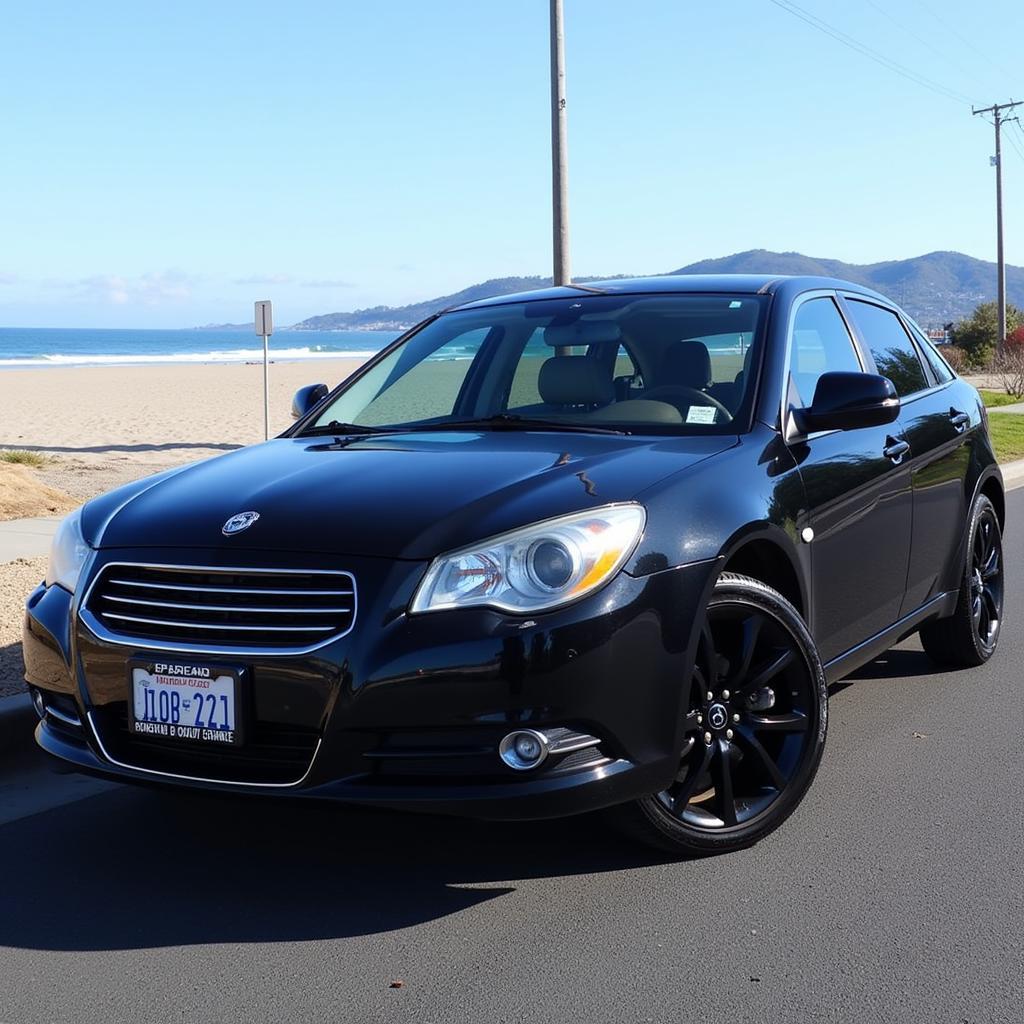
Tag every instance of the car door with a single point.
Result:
(935, 420)
(857, 488)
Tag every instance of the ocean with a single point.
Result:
(22, 347)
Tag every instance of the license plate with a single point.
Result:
(185, 702)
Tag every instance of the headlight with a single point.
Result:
(67, 553)
(537, 567)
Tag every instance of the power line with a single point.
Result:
(924, 42)
(830, 30)
(952, 29)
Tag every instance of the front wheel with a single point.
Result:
(755, 715)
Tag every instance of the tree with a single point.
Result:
(1015, 339)
(978, 335)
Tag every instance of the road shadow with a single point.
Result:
(105, 449)
(140, 868)
(897, 663)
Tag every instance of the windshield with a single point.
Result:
(642, 364)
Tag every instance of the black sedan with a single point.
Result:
(594, 547)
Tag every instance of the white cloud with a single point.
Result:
(327, 283)
(264, 279)
(154, 288)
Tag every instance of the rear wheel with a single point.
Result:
(754, 726)
(969, 636)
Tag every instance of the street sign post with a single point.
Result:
(264, 321)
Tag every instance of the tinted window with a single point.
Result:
(942, 372)
(821, 344)
(891, 348)
(559, 359)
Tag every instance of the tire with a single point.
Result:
(739, 780)
(969, 636)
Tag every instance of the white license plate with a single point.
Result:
(178, 701)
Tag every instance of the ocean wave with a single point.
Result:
(241, 355)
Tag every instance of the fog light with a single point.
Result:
(38, 703)
(523, 749)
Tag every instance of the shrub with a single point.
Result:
(23, 458)
(1010, 367)
(956, 357)
(978, 335)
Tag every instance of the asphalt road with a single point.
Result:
(893, 894)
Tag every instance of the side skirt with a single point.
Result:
(938, 607)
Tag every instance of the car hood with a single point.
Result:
(398, 496)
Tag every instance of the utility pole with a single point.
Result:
(997, 110)
(559, 161)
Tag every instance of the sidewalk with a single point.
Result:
(26, 538)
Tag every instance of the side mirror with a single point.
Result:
(305, 398)
(846, 401)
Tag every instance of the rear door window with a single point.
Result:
(891, 348)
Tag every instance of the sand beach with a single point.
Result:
(101, 426)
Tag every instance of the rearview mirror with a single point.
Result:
(305, 398)
(847, 401)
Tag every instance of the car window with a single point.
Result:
(420, 390)
(821, 344)
(891, 348)
(939, 367)
(624, 364)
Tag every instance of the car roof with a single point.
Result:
(740, 284)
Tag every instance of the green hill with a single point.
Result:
(935, 288)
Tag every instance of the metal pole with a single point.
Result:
(266, 389)
(1000, 264)
(996, 110)
(559, 160)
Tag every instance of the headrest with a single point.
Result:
(687, 363)
(575, 380)
(582, 332)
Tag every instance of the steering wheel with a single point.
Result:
(683, 397)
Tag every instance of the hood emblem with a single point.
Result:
(239, 522)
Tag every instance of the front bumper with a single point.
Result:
(406, 711)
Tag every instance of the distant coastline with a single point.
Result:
(35, 348)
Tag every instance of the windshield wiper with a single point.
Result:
(338, 428)
(512, 421)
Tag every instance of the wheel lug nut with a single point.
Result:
(725, 695)
(711, 696)
(700, 719)
(735, 718)
(728, 734)
(707, 737)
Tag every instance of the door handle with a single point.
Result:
(959, 419)
(895, 450)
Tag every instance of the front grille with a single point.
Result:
(274, 753)
(221, 609)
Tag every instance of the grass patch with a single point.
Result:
(1007, 432)
(24, 458)
(994, 399)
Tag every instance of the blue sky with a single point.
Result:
(163, 165)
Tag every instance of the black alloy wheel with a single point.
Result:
(969, 637)
(753, 729)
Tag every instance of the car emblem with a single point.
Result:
(717, 716)
(239, 522)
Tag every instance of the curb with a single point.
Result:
(17, 721)
(1013, 474)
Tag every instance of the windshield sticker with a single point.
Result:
(701, 414)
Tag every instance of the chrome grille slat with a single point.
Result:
(219, 625)
(176, 608)
(226, 608)
(233, 590)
